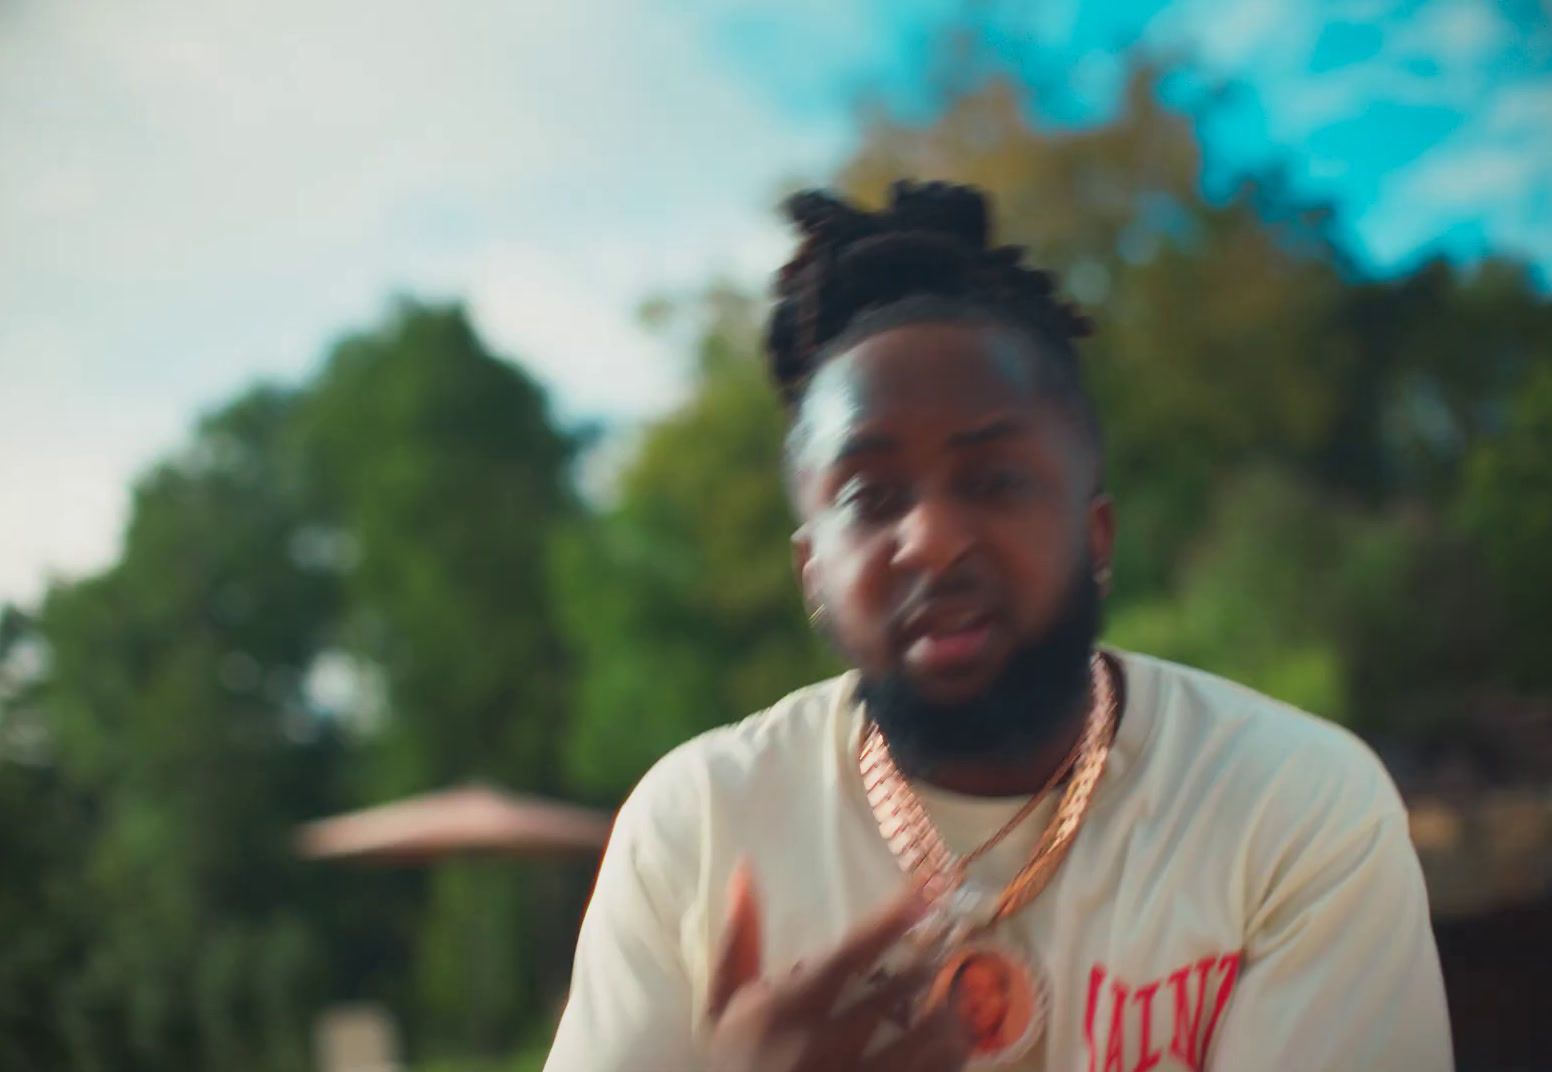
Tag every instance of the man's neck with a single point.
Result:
(1010, 776)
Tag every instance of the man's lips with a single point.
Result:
(951, 650)
(948, 639)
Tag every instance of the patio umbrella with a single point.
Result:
(469, 819)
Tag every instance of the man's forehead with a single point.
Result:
(932, 363)
(871, 401)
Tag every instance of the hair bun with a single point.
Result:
(943, 207)
(888, 267)
(820, 214)
(933, 239)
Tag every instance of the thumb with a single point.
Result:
(738, 959)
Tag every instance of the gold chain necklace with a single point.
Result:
(918, 846)
(958, 934)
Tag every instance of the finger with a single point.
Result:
(936, 1043)
(738, 960)
(947, 1055)
(895, 999)
(906, 982)
(819, 986)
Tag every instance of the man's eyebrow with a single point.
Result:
(1003, 428)
(865, 443)
(870, 442)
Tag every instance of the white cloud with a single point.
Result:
(544, 306)
(1454, 32)
(197, 195)
(1460, 39)
(1237, 32)
(1473, 179)
(1339, 95)
(598, 360)
(1491, 173)
(1494, 171)
(1523, 110)
(61, 511)
(1368, 10)
(1497, 184)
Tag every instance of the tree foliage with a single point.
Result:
(397, 508)
(679, 598)
(442, 469)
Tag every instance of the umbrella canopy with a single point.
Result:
(470, 819)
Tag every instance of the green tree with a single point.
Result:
(1273, 592)
(1506, 505)
(680, 599)
(397, 510)
(442, 466)
(1443, 353)
(173, 708)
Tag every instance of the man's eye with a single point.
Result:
(872, 501)
(996, 482)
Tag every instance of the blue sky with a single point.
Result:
(1427, 122)
(196, 196)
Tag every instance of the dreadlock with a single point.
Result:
(924, 257)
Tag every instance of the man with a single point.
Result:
(1182, 874)
(982, 991)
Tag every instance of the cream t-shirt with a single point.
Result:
(1243, 894)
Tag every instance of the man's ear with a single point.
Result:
(805, 567)
(1101, 532)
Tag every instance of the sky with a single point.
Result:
(196, 196)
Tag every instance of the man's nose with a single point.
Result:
(932, 536)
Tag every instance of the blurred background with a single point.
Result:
(383, 415)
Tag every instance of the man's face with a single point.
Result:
(947, 510)
(981, 998)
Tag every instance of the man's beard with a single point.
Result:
(1039, 689)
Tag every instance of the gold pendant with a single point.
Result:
(999, 996)
(998, 993)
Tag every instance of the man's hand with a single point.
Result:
(791, 1024)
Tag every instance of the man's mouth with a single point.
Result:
(949, 643)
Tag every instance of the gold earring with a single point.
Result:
(1102, 578)
(815, 615)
